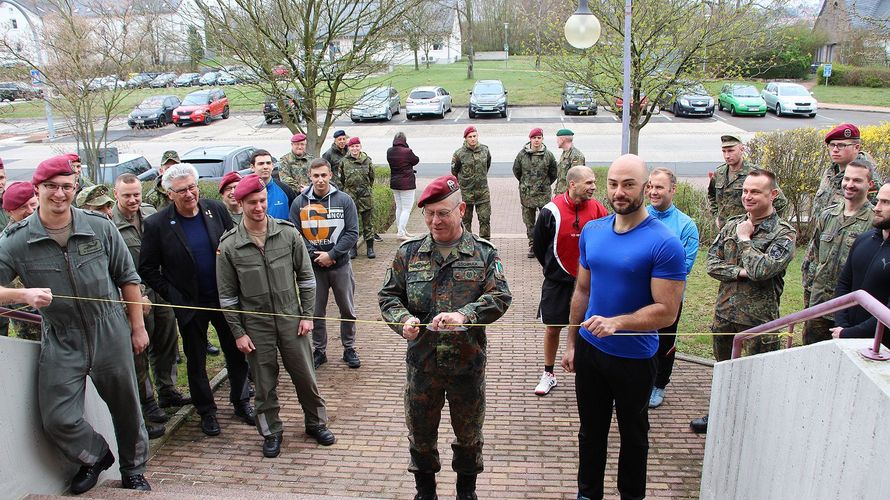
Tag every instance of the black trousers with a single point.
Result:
(666, 352)
(194, 345)
(600, 379)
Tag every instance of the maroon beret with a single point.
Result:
(469, 130)
(228, 179)
(17, 194)
(842, 131)
(353, 140)
(298, 138)
(1, 163)
(47, 169)
(537, 131)
(438, 190)
(74, 157)
(248, 185)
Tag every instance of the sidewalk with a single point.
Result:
(531, 442)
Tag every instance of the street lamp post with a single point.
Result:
(506, 45)
(625, 110)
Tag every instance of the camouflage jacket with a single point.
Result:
(830, 190)
(570, 158)
(725, 193)
(4, 218)
(829, 248)
(334, 156)
(753, 300)
(470, 166)
(357, 180)
(422, 283)
(535, 171)
(157, 196)
(294, 171)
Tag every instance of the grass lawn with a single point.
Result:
(701, 295)
(852, 95)
(214, 363)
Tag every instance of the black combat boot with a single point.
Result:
(370, 245)
(466, 487)
(426, 486)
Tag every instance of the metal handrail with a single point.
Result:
(20, 315)
(859, 297)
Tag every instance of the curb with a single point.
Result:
(695, 359)
(843, 107)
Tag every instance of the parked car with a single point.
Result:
(741, 99)
(187, 80)
(789, 98)
(644, 103)
(162, 80)
(154, 111)
(138, 81)
(427, 101)
(227, 78)
(488, 97)
(126, 163)
(213, 162)
(10, 91)
(294, 103)
(377, 103)
(280, 71)
(689, 100)
(202, 106)
(578, 99)
(110, 82)
(209, 78)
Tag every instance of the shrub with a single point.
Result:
(868, 76)
(876, 143)
(693, 201)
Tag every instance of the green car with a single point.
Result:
(741, 99)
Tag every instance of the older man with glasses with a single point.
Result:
(178, 261)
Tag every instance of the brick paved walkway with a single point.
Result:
(531, 442)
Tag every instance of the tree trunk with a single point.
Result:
(471, 52)
(416, 62)
(634, 147)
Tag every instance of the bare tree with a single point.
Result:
(423, 27)
(88, 47)
(671, 42)
(325, 49)
(465, 20)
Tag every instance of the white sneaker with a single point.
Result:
(548, 381)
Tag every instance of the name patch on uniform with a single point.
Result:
(420, 266)
(89, 247)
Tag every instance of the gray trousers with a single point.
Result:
(161, 353)
(342, 282)
(107, 358)
(296, 356)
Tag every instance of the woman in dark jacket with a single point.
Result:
(402, 181)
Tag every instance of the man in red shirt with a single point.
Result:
(556, 236)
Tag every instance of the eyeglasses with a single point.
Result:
(442, 214)
(840, 146)
(53, 187)
(190, 187)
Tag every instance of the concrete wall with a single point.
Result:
(29, 462)
(810, 422)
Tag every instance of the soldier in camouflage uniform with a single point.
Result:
(293, 168)
(749, 258)
(19, 202)
(571, 156)
(844, 146)
(336, 153)
(535, 169)
(157, 195)
(357, 180)
(836, 229)
(83, 181)
(725, 186)
(4, 217)
(470, 164)
(437, 283)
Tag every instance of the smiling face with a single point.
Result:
(341, 141)
(298, 148)
(443, 218)
(255, 205)
(626, 185)
(129, 197)
(758, 196)
(228, 196)
(184, 193)
(882, 209)
(355, 150)
(56, 194)
(25, 210)
(661, 191)
(857, 181)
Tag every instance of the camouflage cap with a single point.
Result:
(94, 196)
(170, 155)
(727, 141)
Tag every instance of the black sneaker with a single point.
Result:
(319, 358)
(699, 425)
(351, 358)
(173, 399)
(272, 445)
(212, 349)
(135, 482)
(322, 435)
(88, 475)
(209, 425)
(246, 413)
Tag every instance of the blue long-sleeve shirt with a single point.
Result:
(684, 227)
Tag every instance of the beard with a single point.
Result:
(883, 224)
(634, 205)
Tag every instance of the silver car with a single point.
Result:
(377, 103)
(427, 101)
(789, 99)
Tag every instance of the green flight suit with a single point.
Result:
(725, 193)
(278, 279)
(471, 166)
(570, 158)
(160, 321)
(536, 172)
(294, 170)
(357, 180)
(81, 338)
(744, 303)
(828, 250)
(446, 364)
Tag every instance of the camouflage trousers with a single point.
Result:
(160, 355)
(817, 330)
(483, 212)
(367, 224)
(722, 344)
(529, 214)
(425, 395)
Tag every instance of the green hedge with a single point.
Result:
(870, 76)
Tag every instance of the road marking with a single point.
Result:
(509, 115)
(615, 118)
(456, 118)
(561, 119)
(666, 117)
(824, 117)
(773, 117)
(719, 117)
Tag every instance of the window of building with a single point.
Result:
(437, 46)
(15, 24)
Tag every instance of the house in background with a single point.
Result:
(853, 28)
(20, 22)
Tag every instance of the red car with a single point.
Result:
(644, 102)
(202, 106)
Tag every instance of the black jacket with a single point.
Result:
(166, 265)
(865, 269)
